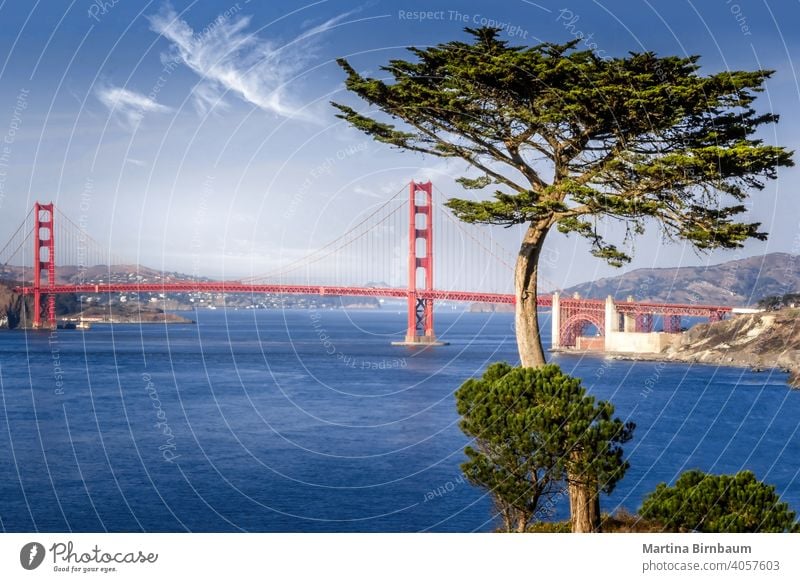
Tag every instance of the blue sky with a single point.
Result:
(180, 147)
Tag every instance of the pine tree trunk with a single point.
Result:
(584, 507)
(506, 512)
(507, 522)
(529, 343)
(522, 522)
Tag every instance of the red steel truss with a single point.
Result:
(684, 309)
(236, 287)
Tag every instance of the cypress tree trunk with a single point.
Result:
(526, 318)
(584, 500)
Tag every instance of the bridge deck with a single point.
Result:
(236, 287)
(624, 307)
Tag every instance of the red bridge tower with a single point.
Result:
(44, 263)
(420, 256)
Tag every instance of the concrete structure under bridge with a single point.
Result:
(625, 327)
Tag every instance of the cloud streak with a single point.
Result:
(128, 107)
(230, 59)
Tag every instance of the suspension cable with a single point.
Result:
(284, 268)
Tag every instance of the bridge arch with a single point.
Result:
(574, 325)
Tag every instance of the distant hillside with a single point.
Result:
(740, 282)
(73, 274)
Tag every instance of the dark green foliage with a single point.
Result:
(719, 503)
(532, 428)
(67, 304)
(774, 302)
(568, 135)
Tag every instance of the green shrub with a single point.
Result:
(719, 503)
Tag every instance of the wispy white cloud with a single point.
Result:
(229, 58)
(324, 27)
(127, 106)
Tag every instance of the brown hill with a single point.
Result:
(739, 282)
(72, 273)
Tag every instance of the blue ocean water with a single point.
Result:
(311, 421)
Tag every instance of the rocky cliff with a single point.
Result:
(13, 307)
(761, 340)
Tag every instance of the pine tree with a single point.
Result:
(536, 432)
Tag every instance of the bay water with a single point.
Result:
(310, 421)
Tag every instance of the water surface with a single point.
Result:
(311, 421)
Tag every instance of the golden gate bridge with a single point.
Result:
(374, 242)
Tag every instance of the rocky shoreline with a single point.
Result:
(144, 319)
(759, 341)
(794, 372)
